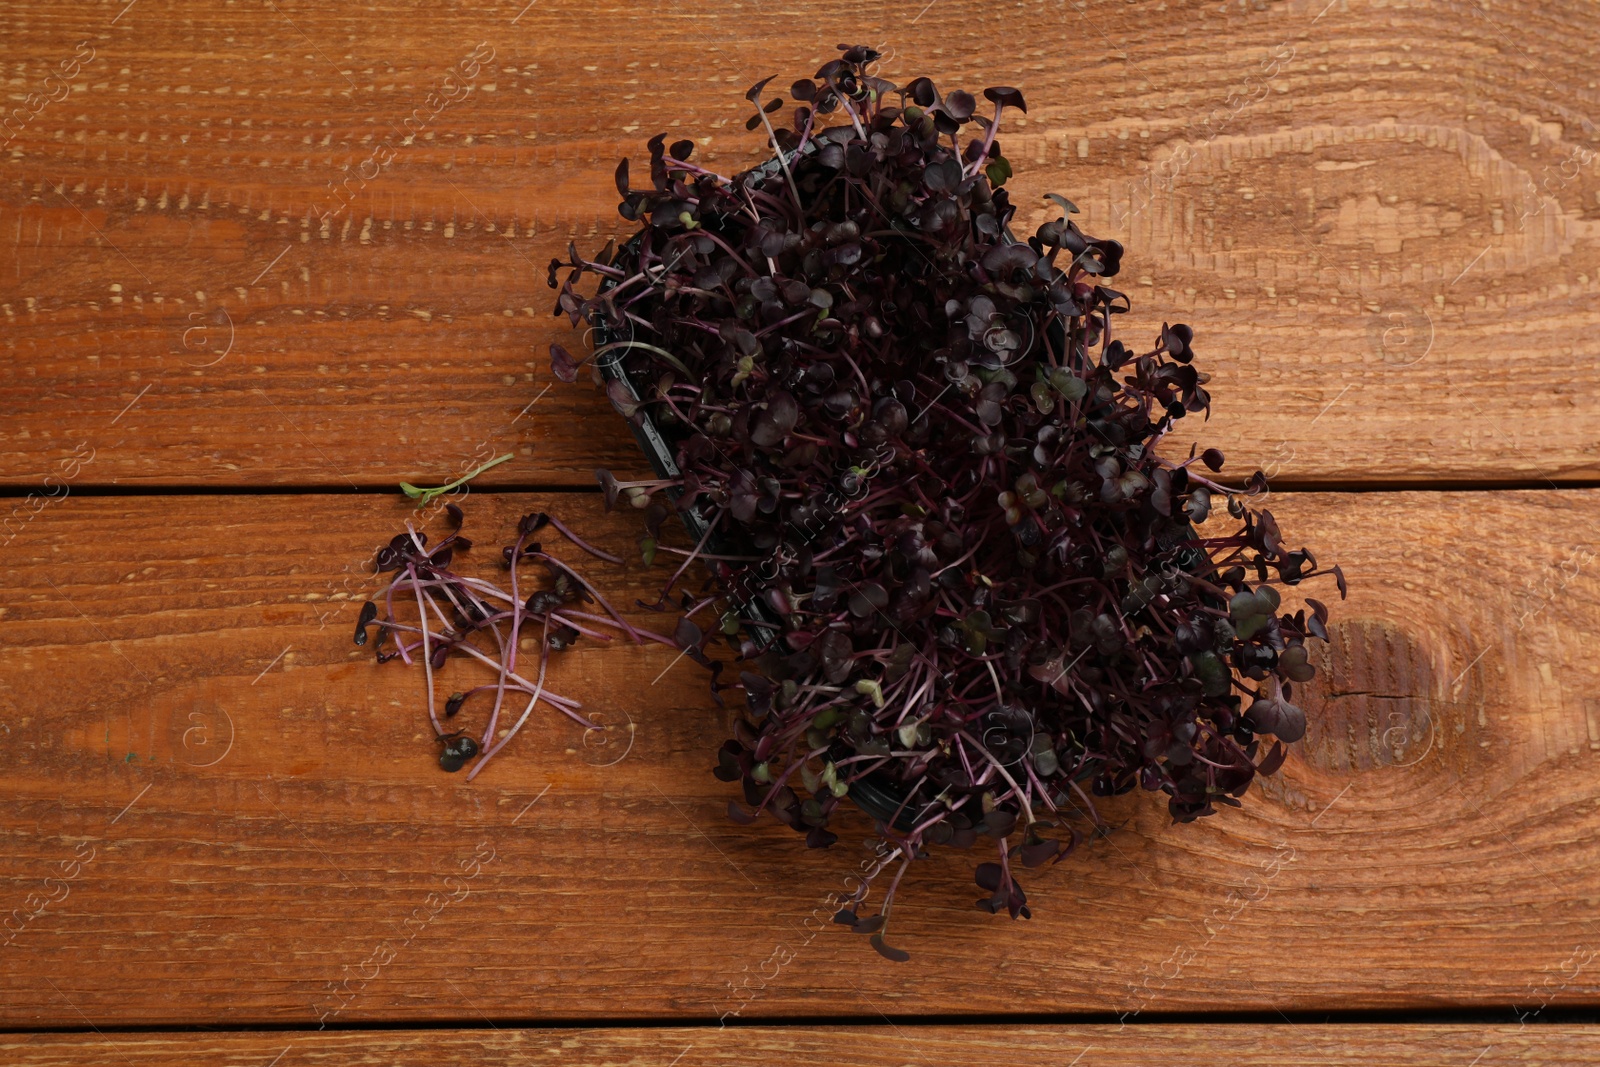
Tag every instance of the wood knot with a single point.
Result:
(1372, 703)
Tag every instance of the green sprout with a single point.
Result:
(425, 496)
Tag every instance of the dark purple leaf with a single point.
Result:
(369, 611)
(988, 876)
(1176, 340)
(888, 951)
(609, 485)
(687, 634)
(867, 598)
(1274, 759)
(753, 93)
(1006, 258)
(820, 838)
(1040, 852)
(943, 175)
(622, 398)
(562, 365)
(959, 105)
(1005, 96)
(922, 92)
(774, 424)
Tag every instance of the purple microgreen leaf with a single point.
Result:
(888, 951)
(753, 93)
(369, 611)
(562, 365)
(1005, 96)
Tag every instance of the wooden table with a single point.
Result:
(254, 275)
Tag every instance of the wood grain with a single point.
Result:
(256, 831)
(859, 1046)
(1382, 220)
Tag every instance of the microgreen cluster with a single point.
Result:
(472, 618)
(946, 545)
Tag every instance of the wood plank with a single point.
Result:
(860, 1046)
(243, 824)
(1381, 220)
